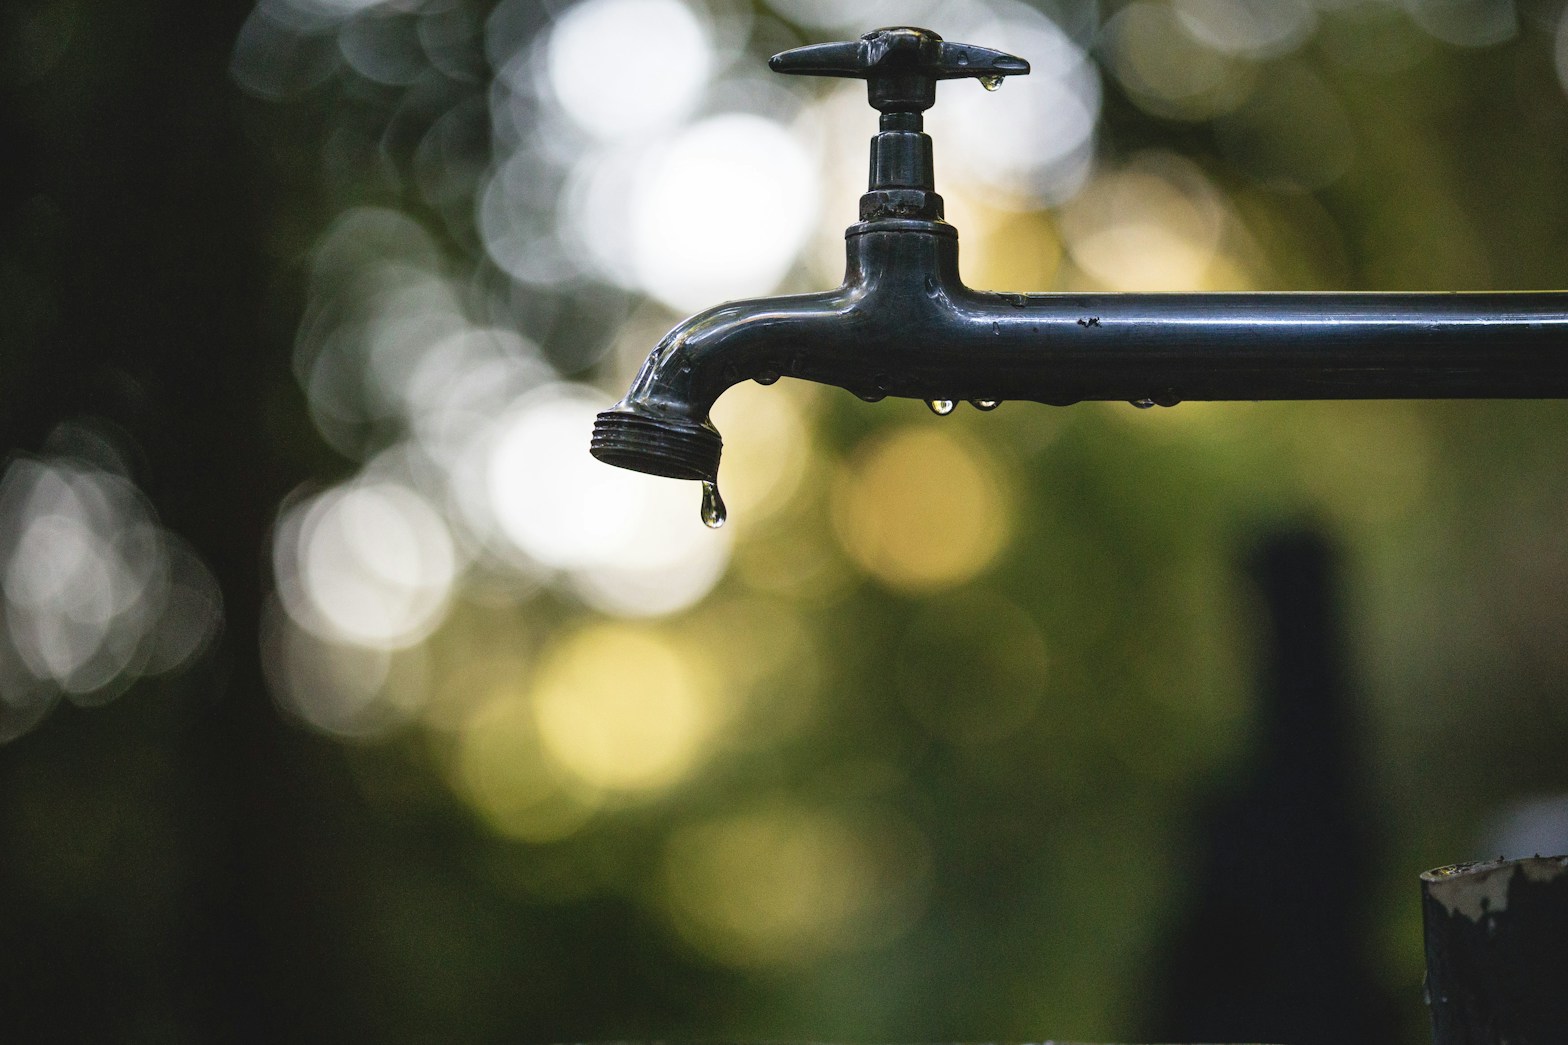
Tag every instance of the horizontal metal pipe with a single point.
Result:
(1259, 346)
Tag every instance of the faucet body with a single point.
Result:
(903, 323)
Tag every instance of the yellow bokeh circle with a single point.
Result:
(786, 883)
(623, 708)
(921, 509)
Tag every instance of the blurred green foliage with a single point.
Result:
(962, 810)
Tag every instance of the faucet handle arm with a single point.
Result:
(900, 65)
(840, 58)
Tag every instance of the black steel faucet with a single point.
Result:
(904, 324)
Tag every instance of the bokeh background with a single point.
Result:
(344, 697)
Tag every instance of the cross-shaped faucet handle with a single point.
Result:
(900, 65)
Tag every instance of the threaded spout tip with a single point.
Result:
(673, 448)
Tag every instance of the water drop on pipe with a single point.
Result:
(941, 407)
(767, 377)
(713, 510)
(1143, 404)
(985, 404)
(990, 83)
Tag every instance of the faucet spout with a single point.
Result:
(662, 426)
(894, 309)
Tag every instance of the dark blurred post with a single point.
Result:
(1497, 952)
(151, 319)
(1273, 946)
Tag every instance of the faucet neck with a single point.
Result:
(902, 182)
(904, 256)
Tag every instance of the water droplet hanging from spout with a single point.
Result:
(990, 83)
(941, 407)
(985, 404)
(767, 377)
(1143, 404)
(713, 510)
